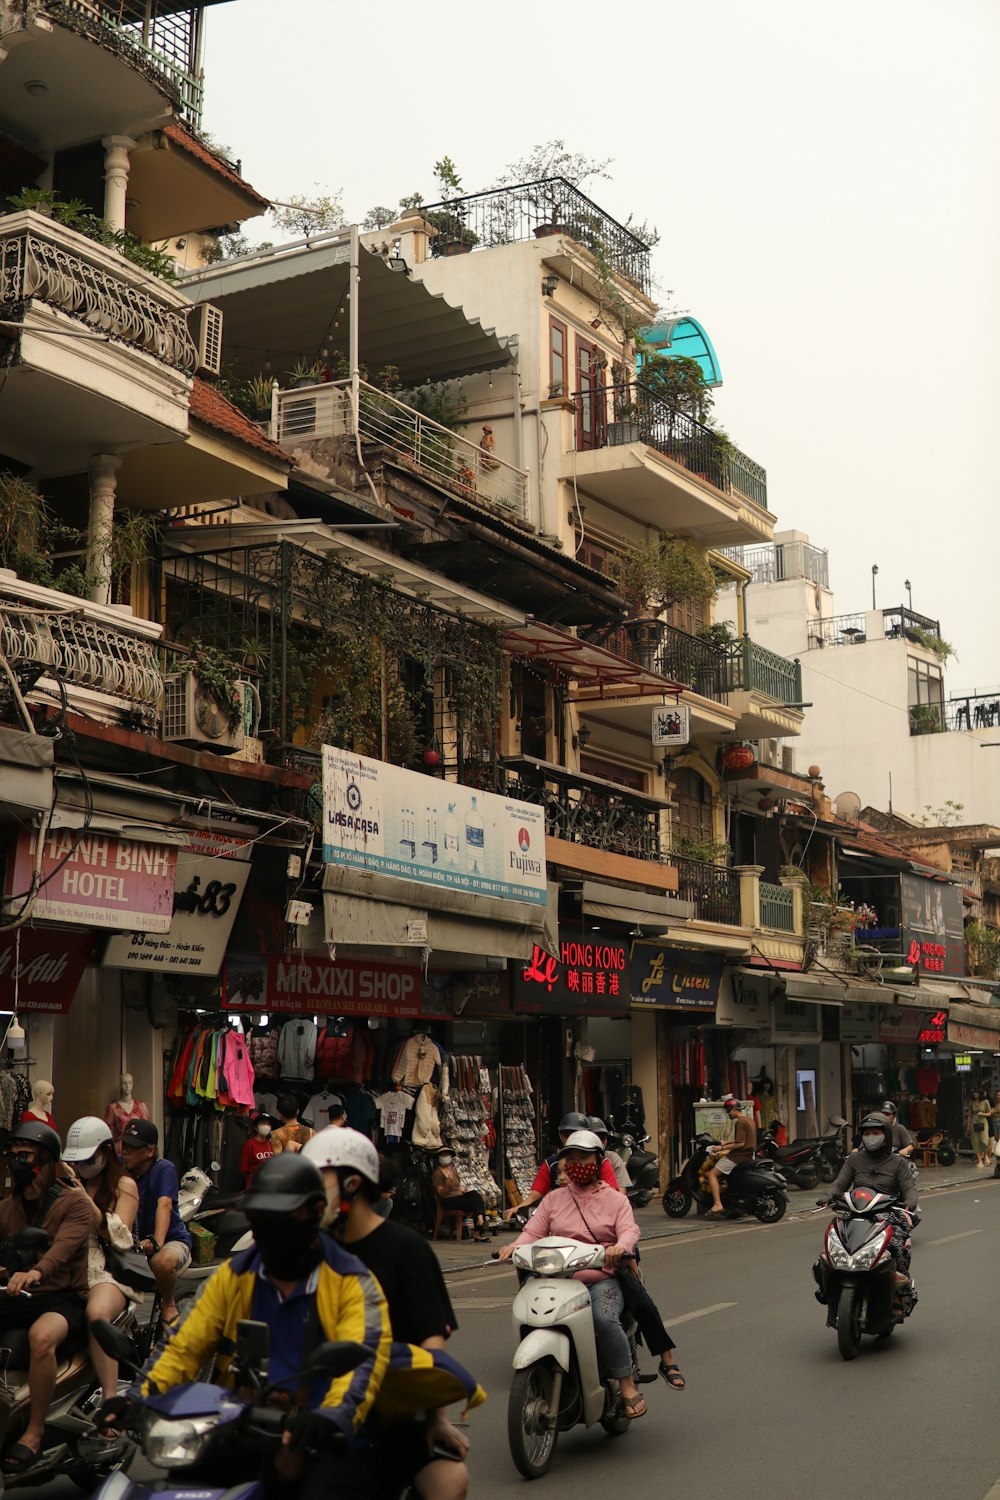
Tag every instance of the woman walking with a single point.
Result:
(979, 1127)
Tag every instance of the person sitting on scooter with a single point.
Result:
(307, 1289)
(56, 1286)
(743, 1148)
(163, 1236)
(597, 1125)
(902, 1141)
(595, 1214)
(545, 1177)
(878, 1167)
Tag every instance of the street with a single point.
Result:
(771, 1411)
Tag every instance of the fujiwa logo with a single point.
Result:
(523, 840)
(526, 864)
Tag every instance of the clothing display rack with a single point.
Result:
(466, 1125)
(520, 1151)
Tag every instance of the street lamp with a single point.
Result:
(909, 594)
(874, 576)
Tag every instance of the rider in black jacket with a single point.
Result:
(877, 1166)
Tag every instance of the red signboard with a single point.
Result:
(96, 880)
(588, 976)
(934, 1029)
(312, 982)
(46, 963)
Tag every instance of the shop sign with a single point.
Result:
(206, 899)
(94, 880)
(858, 1023)
(743, 1001)
(589, 976)
(675, 978)
(902, 1025)
(963, 1062)
(931, 923)
(314, 983)
(391, 821)
(671, 724)
(47, 965)
(798, 1018)
(933, 1031)
(973, 1036)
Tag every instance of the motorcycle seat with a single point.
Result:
(15, 1354)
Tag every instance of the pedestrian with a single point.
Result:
(978, 1126)
(257, 1148)
(450, 1194)
(291, 1134)
(995, 1117)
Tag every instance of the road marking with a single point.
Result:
(702, 1312)
(477, 1302)
(949, 1237)
(994, 1493)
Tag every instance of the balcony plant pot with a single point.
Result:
(645, 633)
(542, 231)
(621, 433)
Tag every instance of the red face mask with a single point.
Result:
(583, 1173)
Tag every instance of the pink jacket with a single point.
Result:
(238, 1070)
(603, 1217)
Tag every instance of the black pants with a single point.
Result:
(470, 1203)
(646, 1314)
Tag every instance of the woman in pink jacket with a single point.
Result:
(595, 1214)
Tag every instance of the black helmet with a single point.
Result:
(888, 1108)
(36, 1133)
(573, 1121)
(875, 1122)
(597, 1125)
(283, 1184)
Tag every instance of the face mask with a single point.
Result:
(872, 1142)
(264, 1131)
(444, 1161)
(288, 1247)
(22, 1172)
(88, 1170)
(583, 1173)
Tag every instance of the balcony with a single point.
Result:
(104, 656)
(713, 890)
(781, 561)
(663, 468)
(976, 710)
(92, 337)
(536, 210)
(585, 809)
(389, 427)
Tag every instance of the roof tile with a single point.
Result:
(212, 408)
(210, 158)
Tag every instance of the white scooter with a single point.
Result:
(557, 1382)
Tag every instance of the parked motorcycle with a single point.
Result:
(557, 1381)
(753, 1187)
(643, 1169)
(941, 1142)
(856, 1274)
(825, 1153)
(200, 1202)
(798, 1163)
(70, 1446)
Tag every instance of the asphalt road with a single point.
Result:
(771, 1411)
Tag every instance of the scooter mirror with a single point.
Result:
(216, 1166)
(253, 1343)
(116, 1344)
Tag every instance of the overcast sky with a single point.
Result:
(825, 182)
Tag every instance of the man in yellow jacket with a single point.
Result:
(307, 1289)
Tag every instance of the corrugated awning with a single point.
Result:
(591, 666)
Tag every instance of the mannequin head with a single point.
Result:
(125, 1086)
(42, 1094)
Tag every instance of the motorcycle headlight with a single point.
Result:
(836, 1254)
(548, 1262)
(173, 1444)
(869, 1254)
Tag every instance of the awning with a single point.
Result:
(636, 908)
(827, 989)
(288, 303)
(589, 666)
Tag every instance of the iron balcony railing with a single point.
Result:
(612, 416)
(777, 907)
(778, 561)
(837, 630)
(161, 41)
(44, 260)
(904, 622)
(76, 643)
(978, 710)
(752, 668)
(713, 890)
(585, 809)
(327, 411)
(551, 205)
(700, 665)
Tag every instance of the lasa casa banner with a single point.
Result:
(391, 821)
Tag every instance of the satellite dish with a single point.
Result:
(847, 807)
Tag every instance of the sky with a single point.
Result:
(824, 180)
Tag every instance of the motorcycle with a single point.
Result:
(198, 1423)
(200, 1202)
(856, 1275)
(825, 1153)
(557, 1381)
(70, 1446)
(940, 1142)
(753, 1187)
(798, 1163)
(643, 1169)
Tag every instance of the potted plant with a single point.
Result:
(654, 574)
(925, 718)
(258, 397)
(452, 238)
(305, 372)
(625, 427)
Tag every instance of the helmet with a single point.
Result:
(283, 1184)
(597, 1125)
(888, 1108)
(334, 1147)
(573, 1121)
(83, 1138)
(36, 1133)
(878, 1122)
(582, 1140)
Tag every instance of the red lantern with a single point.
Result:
(738, 758)
(432, 756)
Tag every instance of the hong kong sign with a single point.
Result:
(588, 977)
(312, 982)
(41, 967)
(675, 978)
(93, 880)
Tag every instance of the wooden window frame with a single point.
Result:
(557, 323)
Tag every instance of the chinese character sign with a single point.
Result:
(932, 925)
(588, 976)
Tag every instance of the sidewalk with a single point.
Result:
(656, 1226)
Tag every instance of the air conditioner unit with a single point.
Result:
(191, 716)
(788, 759)
(207, 335)
(769, 754)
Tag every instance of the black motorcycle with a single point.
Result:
(752, 1187)
(643, 1169)
(856, 1275)
(798, 1163)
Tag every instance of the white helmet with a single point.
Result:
(582, 1140)
(83, 1138)
(339, 1146)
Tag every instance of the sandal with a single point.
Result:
(634, 1407)
(19, 1459)
(481, 1239)
(718, 1212)
(672, 1375)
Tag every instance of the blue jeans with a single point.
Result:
(613, 1350)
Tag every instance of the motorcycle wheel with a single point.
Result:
(532, 1441)
(945, 1156)
(676, 1201)
(87, 1477)
(645, 1195)
(849, 1323)
(828, 1169)
(769, 1207)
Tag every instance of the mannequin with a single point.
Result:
(123, 1109)
(40, 1107)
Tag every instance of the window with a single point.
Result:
(591, 396)
(693, 818)
(925, 682)
(557, 358)
(607, 770)
(690, 616)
